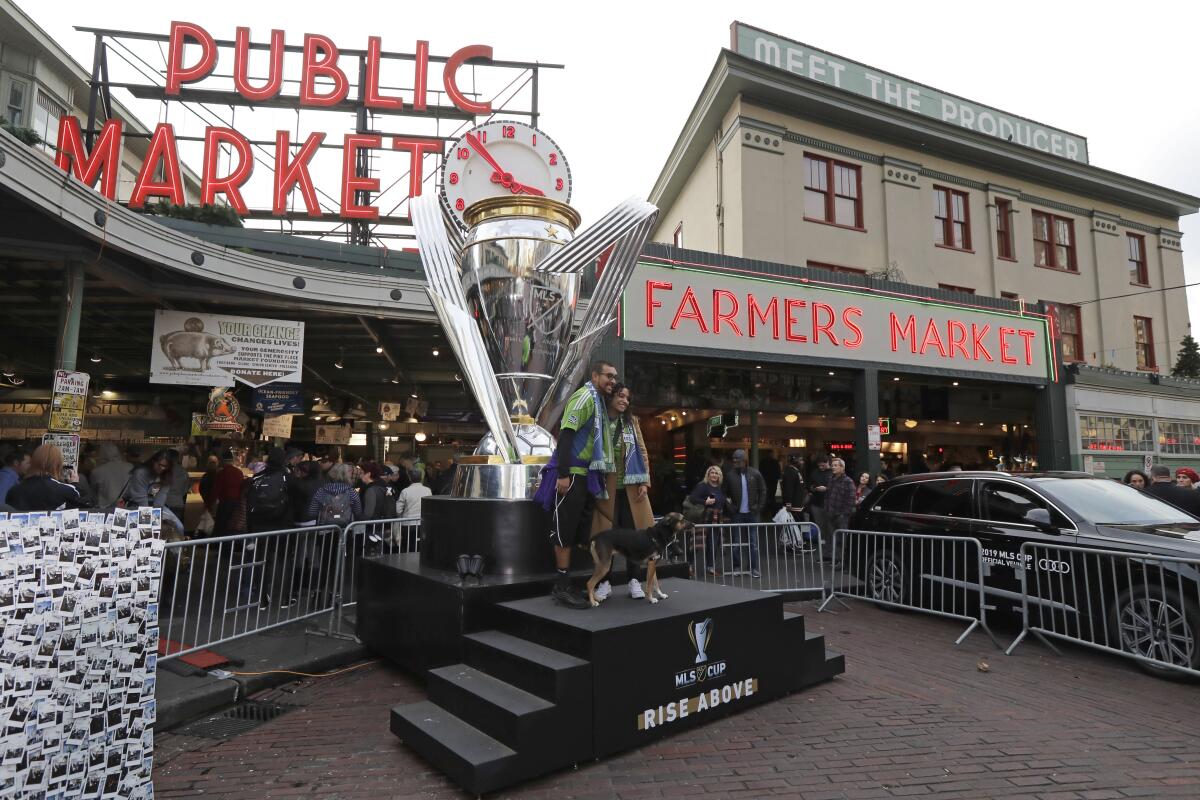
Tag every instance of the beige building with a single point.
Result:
(785, 159)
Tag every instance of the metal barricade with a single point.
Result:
(768, 556)
(939, 575)
(373, 538)
(216, 590)
(1140, 606)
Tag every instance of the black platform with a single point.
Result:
(542, 687)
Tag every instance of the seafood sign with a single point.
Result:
(216, 350)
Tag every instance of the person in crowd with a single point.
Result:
(268, 495)
(627, 487)
(335, 502)
(581, 459)
(707, 505)
(863, 487)
(306, 479)
(747, 493)
(1137, 479)
(13, 463)
(212, 465)
(448, 480)
(1187, 477)
(818, 486)
(227, 491)
(768, 465)
(840, 501)
(793, 494)
(378, 502)
(294, 456)
(1162, 487)
(433, 477)
(326, 461)
(408, 506)
(181, 485)
(150, 485)
(44, 486)
(108, 480)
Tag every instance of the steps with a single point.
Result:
(817, 663)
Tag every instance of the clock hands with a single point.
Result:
(499, 176)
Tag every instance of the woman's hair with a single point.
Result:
(1131, 473)
(46, 460)
(720, 474)
(627, 415)
(161, 455)
(341, 473)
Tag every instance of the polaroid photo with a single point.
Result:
(146, 516)
(120, 518)
(71, 520)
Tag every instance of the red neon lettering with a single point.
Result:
(958, 338)
(907, 331)
(933, 336)
(759, 315)
(719, 316)
(651, 303)
(788, 306)
(977, 334)
(450, 77)
(1005, 358)
(320, 60)
(847, 313)
(1028, 336)
(102, 161)
(417, 148)
(210, 184)
(689, 301)
(162, 148)
(420, 75)
(241, 67)
(371, 95)
(826, 328)
(290, 173)
(177, 74)
(351, 182)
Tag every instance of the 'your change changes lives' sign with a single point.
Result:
(210, 349)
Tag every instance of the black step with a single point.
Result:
(470, 757)
(793, 623)
(537, 669)
(499, 709)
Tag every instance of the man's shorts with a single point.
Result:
(571, 519)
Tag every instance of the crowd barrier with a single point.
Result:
(932, 574)
(373, 538)
(1139, 606)
(786, 556)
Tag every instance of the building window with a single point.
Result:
(1004, 233)
(836, 268)
(1115, 433)
(1054, 242)
(1143, 339)
(14, 110)
(951, 219)
(1070, 330)
(1010, 296)
(1179, 438)
(1137, 259)
(45, 119)
(949, 287)
(832, 192)
(677, 236)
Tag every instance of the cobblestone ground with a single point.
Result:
(913, 715)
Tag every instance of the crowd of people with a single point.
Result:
(1181, 489)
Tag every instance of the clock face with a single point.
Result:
(503, 158)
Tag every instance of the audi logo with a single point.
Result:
(1050, 565)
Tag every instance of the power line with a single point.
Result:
(1135, 294)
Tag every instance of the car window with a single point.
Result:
(897, 499)
(1006, 503)
(1104, 502)
(948, 498)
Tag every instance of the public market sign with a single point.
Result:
(684, 307)
(851, 76)
(324, 83)
(217, 349)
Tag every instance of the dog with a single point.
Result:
(639, 547)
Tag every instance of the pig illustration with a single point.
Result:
(192, 344)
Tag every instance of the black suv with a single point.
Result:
(1144, 607)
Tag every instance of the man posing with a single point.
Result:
(840, 500)
(747, 491)
(583, 455)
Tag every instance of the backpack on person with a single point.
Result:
(267, 497)
(336, 509)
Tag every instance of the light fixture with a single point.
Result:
(396, 378)
(895, 379)
(316, 417)
(458, 377)
(954, 384)
(435, 352)
(107, 394)
(420, 436)
(831, 373)
(790, 418)
(383, 426)
(684, 413)
(411, 419)
(95, 359)
(956, 422)
(8, 371)
(672, 418)
(341, 362)
(15, 381)
(379, 349)
(413, 395)
(663, 421)
(758, 366)
(910, 423)
(981, 424)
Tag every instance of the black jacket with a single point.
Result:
(756, 489)
(793, 487)
(1184, 499)
(378, 502)
(43, 493)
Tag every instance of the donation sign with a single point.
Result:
(68, 401)
(211, 349)
(685, 307)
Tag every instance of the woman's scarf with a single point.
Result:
(636, 471)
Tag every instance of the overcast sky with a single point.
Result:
(1122, 76)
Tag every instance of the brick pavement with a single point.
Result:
(912, 716)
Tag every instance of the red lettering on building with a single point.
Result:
(177, 73)
(241, 67)
(932, 337)
(958, 338)
(103, 161)
(417, 149)
(790, 320)
(1005, 357)
(651, 303)
(689, 309)
(826, 327)
(210, 184)
(321, 61)
(289, 173)
(162, 149)
(450, 78)
(759, 315)
(728, 317)
(856, 313)
(351, 182)
(978, 347)
(372, 97)
(420, 75)
(906, 331)
(1027, 336)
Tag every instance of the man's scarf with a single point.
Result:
(546, 491)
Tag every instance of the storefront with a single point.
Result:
(723, 353)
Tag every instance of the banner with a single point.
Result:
(334, 434)
(68, 401)
(389, 412)
(278, 398)
(280, 426)
(217, 349)
(68, 443)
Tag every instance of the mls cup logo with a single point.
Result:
(701, 635)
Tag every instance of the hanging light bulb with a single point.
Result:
(379, 349)
(95, 359)
(435, 352)
(341, 362)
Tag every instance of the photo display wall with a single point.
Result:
(79, 616)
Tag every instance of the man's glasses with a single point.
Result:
(612, 376)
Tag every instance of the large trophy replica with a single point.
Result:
(503, 263)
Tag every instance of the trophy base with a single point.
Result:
(495, 481)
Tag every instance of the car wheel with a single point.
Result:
(1157, 623)
(886, 581)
